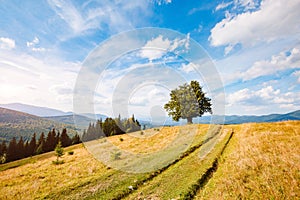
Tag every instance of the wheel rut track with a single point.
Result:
(156, 173)
(195, 188)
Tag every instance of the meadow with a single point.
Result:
(255, 160)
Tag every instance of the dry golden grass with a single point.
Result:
(148, 142)
(81, 175)
(37, 180)
(261, 162)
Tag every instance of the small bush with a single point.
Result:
(71, 152)
(116, 155)
(142, 133)
(121, 139)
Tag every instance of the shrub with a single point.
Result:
(116, 155)
(121, 139)
(71, 152)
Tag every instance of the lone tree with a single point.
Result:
(188, 101)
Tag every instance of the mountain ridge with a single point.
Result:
(19, 124)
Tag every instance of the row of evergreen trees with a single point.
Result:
(21, 149)
(111, 127)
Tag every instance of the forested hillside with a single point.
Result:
(17, 124)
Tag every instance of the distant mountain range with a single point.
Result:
(34, 110)
(239, 119)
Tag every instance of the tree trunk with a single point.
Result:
(189, 120)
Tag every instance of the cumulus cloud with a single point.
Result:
(283, 61)
(274, 19)
(265, 97)
(7, 43)
(159, 46)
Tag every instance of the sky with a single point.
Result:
(253, 45)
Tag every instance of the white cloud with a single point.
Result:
(188, 67)
(34, 78)
(113, 16)
(33, 45)
(33, 42)
(264, 99)
(223, 5)
(159, 46)
(239, 96)
(282, 61)
(297, 74)
(161, 2)
(69, 13)
(275, 19)
(267, 93)
(246, 4)
(7, 43)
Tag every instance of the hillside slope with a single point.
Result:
(260, 161)
(17, 124)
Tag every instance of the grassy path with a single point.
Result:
(183, 178)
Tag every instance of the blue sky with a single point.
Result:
(254, 45)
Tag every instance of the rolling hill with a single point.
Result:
(17, 124)
(249, 161)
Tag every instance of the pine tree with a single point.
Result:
(20, 153)
(41, 144)
(76, 139)
(47, 146)
(59, 152)
(26, 149)
(32, 145)
(65, 139)
(11, 150)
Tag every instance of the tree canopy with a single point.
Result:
(188, 101)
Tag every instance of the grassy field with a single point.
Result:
(262, 161)
(257, 161)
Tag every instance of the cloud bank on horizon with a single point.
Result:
(255, 45)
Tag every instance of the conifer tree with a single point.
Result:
(76, 139)
(32, 145)
(59, 152)
(20, 149)
(11, 150)
(65, 139)
(41, 144)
